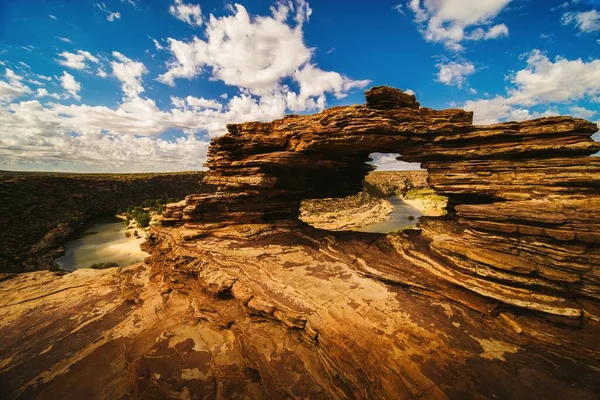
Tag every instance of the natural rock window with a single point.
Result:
(392, 199)
(515, 189)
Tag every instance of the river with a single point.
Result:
(102, 241)
(399, 218)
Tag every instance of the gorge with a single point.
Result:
(499, 298)
(41, 210)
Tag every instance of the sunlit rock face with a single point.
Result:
(497, 299)
(264, 170)
(523, 227)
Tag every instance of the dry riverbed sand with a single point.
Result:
(426, 201)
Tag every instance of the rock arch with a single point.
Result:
(263, 170)
(525, 229)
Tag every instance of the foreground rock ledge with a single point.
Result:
(499, 299)
(298, 313)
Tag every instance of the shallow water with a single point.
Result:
(102, 241)
(398, 218)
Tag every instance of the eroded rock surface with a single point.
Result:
(239, 299)
(281, 314)
(523, 196)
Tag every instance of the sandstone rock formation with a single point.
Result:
(390, 183)
(524, 196)
(239, 299)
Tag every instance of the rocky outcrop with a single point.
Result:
(287, 312)
(343, 214)
(368, 206)
(519, 243)
(264, 170)
(38, 211)
(523, 184)
(239, 299)
(391, 183)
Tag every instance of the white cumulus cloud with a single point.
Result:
(68, 82)
(77, 60)
(101, 73)
(70, 137)
(129, 72)
(124, 138)
(262, 58)
(253, 54)
(454, 73)
(188, 13)
(585, 21)
(196, 103)
(256, 54)
(582, 112)
(113, 16)
(542, 82)
(41, 92)
(12, 87)
(158, 45)
(388, 162)
(314, 83)
(110, 15)
(453, 21)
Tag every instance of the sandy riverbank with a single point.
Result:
(426, 201)
(104, 242)
(362, 210)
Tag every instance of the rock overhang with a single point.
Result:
(499, 179)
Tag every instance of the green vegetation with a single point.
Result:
(73, 218)
(432, 201)
(421, 193)
(141, 213)
(104, 265)
(143, 220)
(44, 202)
(327, 205)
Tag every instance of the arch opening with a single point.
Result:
(394, 196)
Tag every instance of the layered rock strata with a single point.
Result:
(239, 299)
(524, 196)
(283, 312)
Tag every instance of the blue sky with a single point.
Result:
(141, 85)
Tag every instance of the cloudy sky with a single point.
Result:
(143, 85)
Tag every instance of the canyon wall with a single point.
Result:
(391, 183)
(40, 210)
